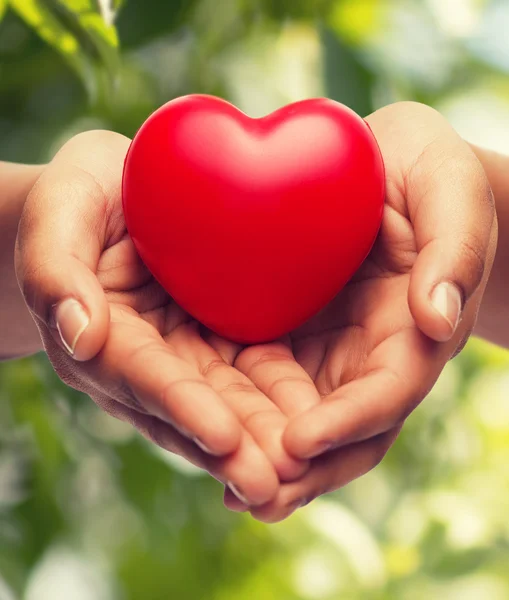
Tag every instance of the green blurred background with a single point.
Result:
(88, 510)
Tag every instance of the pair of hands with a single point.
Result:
(281, 423)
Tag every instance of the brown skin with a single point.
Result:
(349, 378)
(19, 333)
(367, 353)
(493, 322)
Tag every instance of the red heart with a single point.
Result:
(253, 225)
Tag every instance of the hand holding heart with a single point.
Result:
(281, 422)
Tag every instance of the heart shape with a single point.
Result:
(253, 225)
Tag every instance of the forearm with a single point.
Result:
(493, 320)
(18, 333)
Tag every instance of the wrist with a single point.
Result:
(19, 333)
(16, 182)
(493, 322)
(496, 167)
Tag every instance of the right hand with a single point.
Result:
(112, 332)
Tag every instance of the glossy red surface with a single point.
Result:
(253, 225)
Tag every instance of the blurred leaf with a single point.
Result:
(93, 28)
(294, 9)
(346, 79)
(78, 31)
(141, 22)
(459, 563)
(3, 6)
(356, 21)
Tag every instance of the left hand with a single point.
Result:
(376, 351)
(111, 331)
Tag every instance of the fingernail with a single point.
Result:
(202, 446)
(446, 300)
(238, 493)
(323, 447)
(300, 503)
(71, 321)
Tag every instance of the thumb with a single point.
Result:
(438, 184)
(456, 233)
(65, 225)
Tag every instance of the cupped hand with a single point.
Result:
(376, 351)
(346, 380)
(112, 332)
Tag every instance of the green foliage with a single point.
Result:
(430, 522)
(141, 22)
(79, 31)
(346, 79)
(295, 9)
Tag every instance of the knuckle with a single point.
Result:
(238, 387)
(171, 393)
(259, 419)
(288, 380)
(213, 366)
(34, 277)
(254, 357)
(471, 252)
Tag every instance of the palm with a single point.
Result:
(358, 352)
(360, 366)
(335, 346)
(146, 322)
(371, 365)
(332, 349)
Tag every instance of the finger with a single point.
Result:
(267, 429)
(153, 429)
(259, 416)
(450, 206)
(398, 375)
(233, 503)
(274, 370)
(246, 471)
(136, 367)
(66, 222)
(328, 473)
